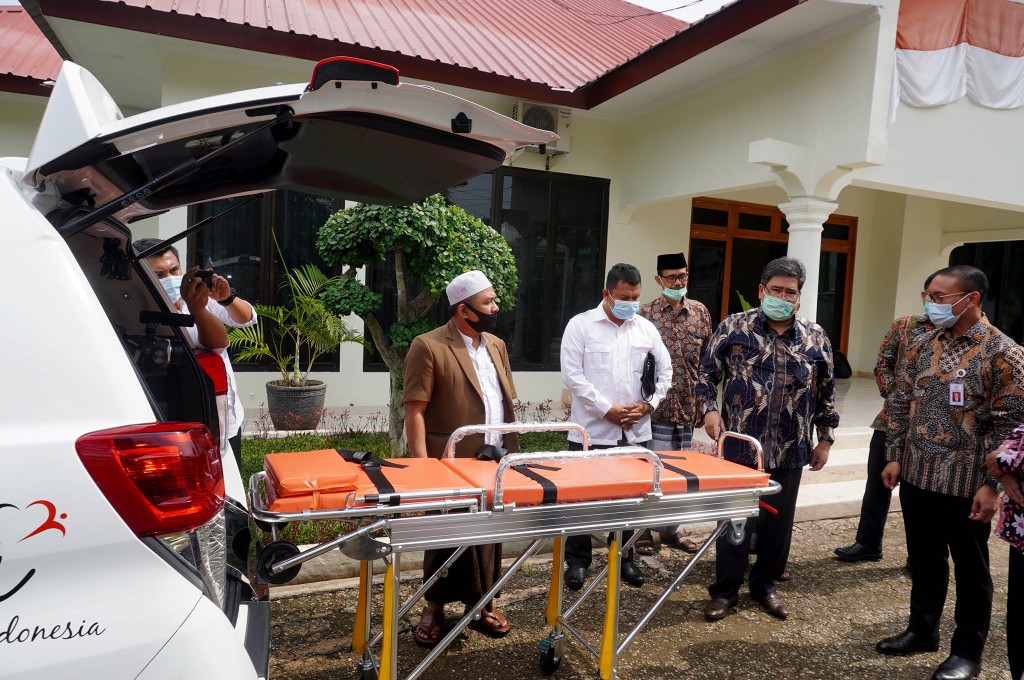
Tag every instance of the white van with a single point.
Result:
(116, 513)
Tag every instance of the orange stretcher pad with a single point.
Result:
(600, 479)
(322, 480)
(316, 480)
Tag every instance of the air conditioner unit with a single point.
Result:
(550, 118)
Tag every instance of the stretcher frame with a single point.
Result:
(464, 518)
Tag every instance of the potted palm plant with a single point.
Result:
(300, 331)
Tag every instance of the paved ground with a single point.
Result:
(839, 612)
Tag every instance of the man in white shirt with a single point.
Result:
(214, 307)
(602, 357)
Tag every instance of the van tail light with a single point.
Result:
(161, 478)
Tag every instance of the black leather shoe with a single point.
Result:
(774, 605)
(575, 577)
(907, 643)
(858, 552)
(632, 575)
(717, 609)
(956, 668)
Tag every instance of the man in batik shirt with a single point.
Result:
(685, 326)
(960, 393)
(779, 388)
(874, 507)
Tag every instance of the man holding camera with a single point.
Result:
(207, 297)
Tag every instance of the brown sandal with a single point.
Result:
(680, 542)
(492, 623)
(428, 630)
(645, 544)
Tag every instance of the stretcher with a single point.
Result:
(413, 504)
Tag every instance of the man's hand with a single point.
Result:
(819, 456)
(984, 505)
(635, 412)
(194, 292)
(891, 475)
(713, 424)
(618, 414)
(220, 289)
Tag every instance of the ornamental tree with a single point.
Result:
(433, 242)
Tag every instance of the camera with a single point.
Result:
(205, 275)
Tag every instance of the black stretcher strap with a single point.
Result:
(372, 465)
(548, 488)
(692, 481)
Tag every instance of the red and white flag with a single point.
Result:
(948, 48)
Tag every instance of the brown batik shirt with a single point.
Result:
(940, 446)
(686, 332)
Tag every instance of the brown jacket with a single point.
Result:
(439, 370)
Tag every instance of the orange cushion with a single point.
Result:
(609, 478)
(417, 474)
(300, 474)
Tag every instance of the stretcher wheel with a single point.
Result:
(549, 663)
(270, 555)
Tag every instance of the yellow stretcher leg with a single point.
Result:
(387, 671)
(359, 636)
(610, 633)
(554, 611)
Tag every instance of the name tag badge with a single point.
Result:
(956, 393)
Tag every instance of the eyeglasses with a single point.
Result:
(937, 299)
(784, 294)
(681, 278)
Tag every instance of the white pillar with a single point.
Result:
(806, 215)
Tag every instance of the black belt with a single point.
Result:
(692, 481)
(549, 489)
(372, 465)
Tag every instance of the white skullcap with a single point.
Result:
(465, 286)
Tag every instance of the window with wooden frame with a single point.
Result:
(732, 241)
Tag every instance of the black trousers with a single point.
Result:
(774, 537)
(937, 528)
(1015, 614)
(236, 449)
(874, 508)
(579, 551)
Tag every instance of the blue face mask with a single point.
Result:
(942, 315)
(172, 285)
(625, 310)
(777, 309)
(673, 294)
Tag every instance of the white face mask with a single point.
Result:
(172, 285)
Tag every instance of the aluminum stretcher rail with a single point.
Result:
(481, 502)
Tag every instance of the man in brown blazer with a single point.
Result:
(458, 375)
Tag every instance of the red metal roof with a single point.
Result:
(25, 53)
(563, 44)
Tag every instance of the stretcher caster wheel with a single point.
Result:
(271, 554)
(549, 662)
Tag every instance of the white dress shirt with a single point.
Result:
(601, 365)
(487, 375)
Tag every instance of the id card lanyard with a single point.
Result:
(956, 389)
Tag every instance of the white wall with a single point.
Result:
(19, 123)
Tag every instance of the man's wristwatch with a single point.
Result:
(228, 300)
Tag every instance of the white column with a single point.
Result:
(806, 215)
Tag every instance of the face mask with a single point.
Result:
(673, 294)
(485, 323)
(777, 309)
(942, 315)
(172, 284)
(625, 310)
